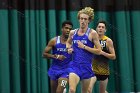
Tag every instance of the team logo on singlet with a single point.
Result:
(103, 44)
(62, 49)
(83, 41)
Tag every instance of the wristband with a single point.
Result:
(67, 49)
(57, 56)
(84, 46)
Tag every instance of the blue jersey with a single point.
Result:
(82, 59)
(82, 55)
(60, 49)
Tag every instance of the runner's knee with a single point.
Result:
(72, 90)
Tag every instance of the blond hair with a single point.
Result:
(88, 11)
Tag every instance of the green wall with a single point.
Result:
(25, 33)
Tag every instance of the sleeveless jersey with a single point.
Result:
(60, 49)
(100, 63)
(80, 55)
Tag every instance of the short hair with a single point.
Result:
(67, 22)
(102, 21)
(87, 10)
